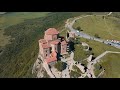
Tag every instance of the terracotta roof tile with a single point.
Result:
(51, 59)
(51, 31)
(45, 45)
(55, 42)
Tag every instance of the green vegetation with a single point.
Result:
(111, 64)
(96, 26)
(74, 74)
(4, 39)
(63, 32)
(18, 57)
(93, 25)
(60, 66)
(75, 68)
(26, 29)
(79, 53)
(84, 62)
(98, 48)
(97, 36)
(98, 69)
(14, 18)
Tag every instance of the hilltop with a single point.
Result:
(18, 57)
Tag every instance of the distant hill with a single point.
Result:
(3, 12)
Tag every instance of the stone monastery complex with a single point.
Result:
(52, 46)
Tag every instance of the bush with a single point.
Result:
(97, 36)
(60, 66)
(76, 69)
(78, 28)
(74, 74)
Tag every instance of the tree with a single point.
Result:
(60, 66)
(97, 36)
(77, 41)
(78, 28)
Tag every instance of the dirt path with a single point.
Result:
(102, 55)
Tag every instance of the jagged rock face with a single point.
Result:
(38, 69)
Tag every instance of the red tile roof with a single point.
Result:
(54, 54)
(45, 45)
(55, 42)
(51, 31)
(51, 59)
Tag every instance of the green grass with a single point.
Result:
(74, 74)
(63, 32)
(84, 62)
(4, 39)
(79, 53)
(76, 69)
(97, 47)
(14, 18)
(95, 25)
(97, 69)
(111, 63)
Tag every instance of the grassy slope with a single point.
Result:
(79, 53)
(14, 18)
(98, 48)
(18, 57)
(111, 63)
(4, 39)
(95, 25)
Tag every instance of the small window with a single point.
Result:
(46, 50)
(46, 54)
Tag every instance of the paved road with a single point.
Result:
(84, 35)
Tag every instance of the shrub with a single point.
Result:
(60, 66)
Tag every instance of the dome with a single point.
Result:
(51, 31)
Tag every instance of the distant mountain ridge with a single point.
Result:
(3, 12)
